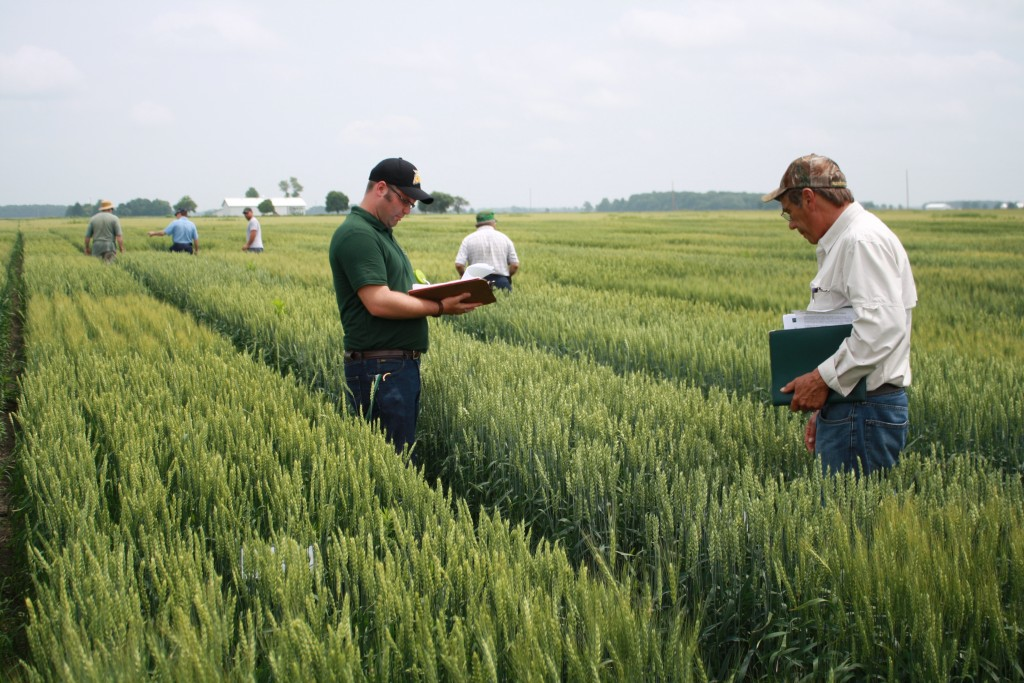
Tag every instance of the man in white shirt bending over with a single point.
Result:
(861, 264)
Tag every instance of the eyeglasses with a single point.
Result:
(409, 203)
(794, 196)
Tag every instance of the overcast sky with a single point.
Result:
(536, 104)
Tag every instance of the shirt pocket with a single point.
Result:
(824, 297)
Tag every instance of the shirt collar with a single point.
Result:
(837, 229)
(371, 219)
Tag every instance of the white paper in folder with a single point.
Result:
(796, 320)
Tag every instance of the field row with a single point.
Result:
(196, 516)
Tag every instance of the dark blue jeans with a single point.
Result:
(863, 437)
(500, 282)
(388, 392)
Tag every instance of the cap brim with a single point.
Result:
(417, 194)
(774, 194)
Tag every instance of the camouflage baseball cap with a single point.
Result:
(484, 217)
(813, 171)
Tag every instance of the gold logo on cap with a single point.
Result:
(415, 176)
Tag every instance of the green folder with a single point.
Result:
(795, 352)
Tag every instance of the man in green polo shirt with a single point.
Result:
(385, 329)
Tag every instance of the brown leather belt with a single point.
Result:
(381, 354)
(884, 389)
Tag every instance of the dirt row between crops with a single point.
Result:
(12, 582)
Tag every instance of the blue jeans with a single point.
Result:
(500, 282)
(865, 436)
(388, 392)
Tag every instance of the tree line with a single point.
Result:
(133, 207)
(338, 202)
(685, 201)
(32, 210)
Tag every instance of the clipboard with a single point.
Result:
(798, 351)
(479, 289)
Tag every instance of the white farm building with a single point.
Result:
(283, 206)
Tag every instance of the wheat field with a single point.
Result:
(604, 490)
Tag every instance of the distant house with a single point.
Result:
(283, 206)
(937, 206)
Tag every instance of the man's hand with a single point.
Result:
(809, 392)
(453, 305)
(811, 432)
(382, 302)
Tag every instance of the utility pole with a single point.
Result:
(908, 189)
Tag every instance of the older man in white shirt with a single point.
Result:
(861, 264)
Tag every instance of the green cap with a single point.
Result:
(484, 216)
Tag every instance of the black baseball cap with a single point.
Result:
(403, 175)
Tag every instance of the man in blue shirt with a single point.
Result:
(184, 236)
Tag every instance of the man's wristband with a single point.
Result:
(440, 309)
